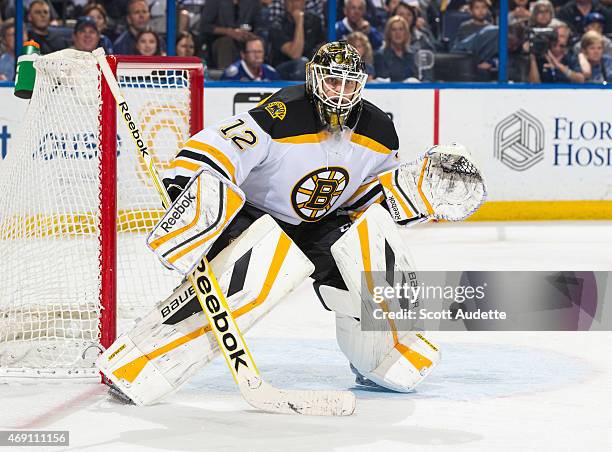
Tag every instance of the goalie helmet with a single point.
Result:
(335, 78)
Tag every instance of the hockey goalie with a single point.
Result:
(308, 183)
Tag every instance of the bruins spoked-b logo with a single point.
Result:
(315, 194)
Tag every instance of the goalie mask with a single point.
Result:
(335, 78)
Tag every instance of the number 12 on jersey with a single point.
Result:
(241, 137)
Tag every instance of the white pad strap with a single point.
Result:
(194, 220)
(338, 300)
(445, 183)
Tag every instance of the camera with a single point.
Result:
(541, 39)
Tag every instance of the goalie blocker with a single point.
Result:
(194, 220)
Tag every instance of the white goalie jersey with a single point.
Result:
(287, 164)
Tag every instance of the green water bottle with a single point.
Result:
(26, 74)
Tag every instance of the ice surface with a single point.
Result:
(492, 390)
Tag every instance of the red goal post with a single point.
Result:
(194, 67)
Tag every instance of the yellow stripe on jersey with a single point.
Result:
(370, 144)
(360, 191)
(216, 154)
(305, 139)
(177, 163)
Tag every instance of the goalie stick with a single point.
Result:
(257, 392)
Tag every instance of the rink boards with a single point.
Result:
(546, 153)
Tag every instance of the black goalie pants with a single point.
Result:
(314, 239)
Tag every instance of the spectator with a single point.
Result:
(147, 43)
(318, 8)
(9, 8)
(362, 44)
(7, 44)
(542, 12)
(518, 58)
(39, 16)
(554, 66)
(592, 62)
(68, 9)
(575, 11)
(157, 10)
(564, 32)
(429, 16)
(421, 39)
(295, 40)
(250, 66)
(394, 61)
(419, 21)
(190, 15)
(227, 23)
(138, 18)
(519, 11)
(375, 12)
(185, 47)
(390, 7)
(115, 9)
(454, 5)
(86, 35)
(484, 44)
(354, 20)
(596, 21)
(185, 44)
(98, 13)
(479, 9)
(276, 10)
(408, 12)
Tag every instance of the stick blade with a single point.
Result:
(265, 397)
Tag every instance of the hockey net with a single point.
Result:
(76, 204)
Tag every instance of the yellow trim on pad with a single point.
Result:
(413, 357)
(131, 370)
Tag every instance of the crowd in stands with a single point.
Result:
(549, 41)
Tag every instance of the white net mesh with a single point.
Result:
(49, 218)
